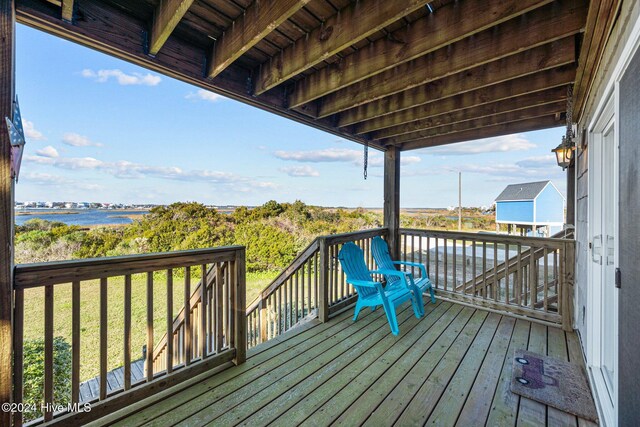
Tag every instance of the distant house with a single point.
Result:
(530, 208)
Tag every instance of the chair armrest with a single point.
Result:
(367, 283)
(402, 275)
(414, 264)
(389, 272)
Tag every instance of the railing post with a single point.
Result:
(7, 89)
(323, 282)
(567, 286)
(263, 320)
(239, 307)
(392, 199)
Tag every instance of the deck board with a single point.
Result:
(296, 405)
(451, 367)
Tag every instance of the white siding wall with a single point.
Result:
(629, 14)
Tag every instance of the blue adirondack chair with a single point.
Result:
(370, 292)
(384, 261)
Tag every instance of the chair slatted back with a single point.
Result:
(352, 260)
(383, 259)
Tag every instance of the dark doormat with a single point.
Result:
(554, 382)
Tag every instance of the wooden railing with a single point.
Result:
(525, 276)
(217, 281)
(312, 286)
(214, 331)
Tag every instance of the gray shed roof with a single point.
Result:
(524, 191)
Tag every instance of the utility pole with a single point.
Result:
(459, 201)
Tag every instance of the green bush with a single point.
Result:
(33, 379)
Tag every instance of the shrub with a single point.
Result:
(34, 374)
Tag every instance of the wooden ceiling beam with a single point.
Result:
(111, 31)
(524, 102)
(353, 23)
(552, 55)
(67, 10)
(258, 20)
(541, 26)
(477, 123)
(425, 35)
(600, 19)
(165, 19)
(521, 86)
(527, 125)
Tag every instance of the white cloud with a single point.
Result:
(49, 179)
(547, 161)
(128, 170)
(76, 140)
(121, 77)
(318, 156)
(205, 95)
(30, 132)
(300, 171)
(498, 144)
(48, 151)
(531, 168)
(331, 155)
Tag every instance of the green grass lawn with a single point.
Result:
(90, 315)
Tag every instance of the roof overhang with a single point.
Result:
(372, 71)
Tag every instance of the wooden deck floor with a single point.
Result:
(449, 368)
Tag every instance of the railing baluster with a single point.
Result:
(202, 311)
(445, 267)
(170, 341)
(464, 266)
(211, 307)
(297, 294)
(289, 296)
(532, 279)
(48, 351)
(561, 283)
(437, 264)
(555, 273)
(303, 283)
(343, 291)
(429, 260)
(506, 273)
(404, 245)
(103, 338)
(475, 270)
(127, 332)
(219, 309)
(455, 266)
(546, 279)
(420, 250)
(188, 337)
(519, 276)
(413, 251)
(279, 311)
(495, 286)
(484, 269)
(18, 353)
(75, 341)
(150, 346)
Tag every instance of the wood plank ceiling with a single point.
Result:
(406, 73)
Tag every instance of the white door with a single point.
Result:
(603, 339)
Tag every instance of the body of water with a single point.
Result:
(79, 216)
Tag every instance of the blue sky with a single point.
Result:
(103, 130)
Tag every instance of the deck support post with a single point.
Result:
(567, 291)
(323, 283)
(263, 320)
(571, 195)
(7, 95)
(240, 304)
(392, 199)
